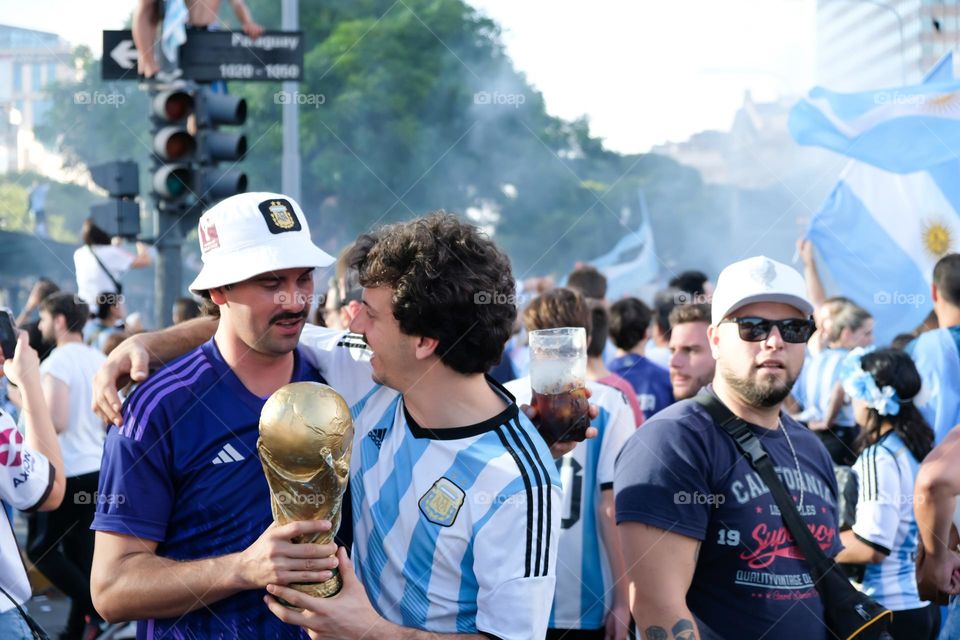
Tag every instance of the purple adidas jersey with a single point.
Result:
(184, 471)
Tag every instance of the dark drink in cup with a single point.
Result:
(558, 368)
(563, 416)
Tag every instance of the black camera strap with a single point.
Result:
(116, 283)
(753, 451)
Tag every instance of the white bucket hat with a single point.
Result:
(758, 279)
(253, 233)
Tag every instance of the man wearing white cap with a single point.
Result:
(184, 541)
(710, 554)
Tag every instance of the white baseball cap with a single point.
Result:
(758, 279)
(253, 233)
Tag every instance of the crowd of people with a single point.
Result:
(148, 501)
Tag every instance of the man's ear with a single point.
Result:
(60, 324)
(353, 308)
(713, 337)
(934, 294)
(218, 296)
(426, 347)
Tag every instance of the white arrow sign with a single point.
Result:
(124, 54)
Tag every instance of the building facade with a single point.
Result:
(873, 44)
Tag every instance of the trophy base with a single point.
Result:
(324, 589)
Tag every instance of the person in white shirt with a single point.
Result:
(31, 478)
(61, 543)
(592, 598)
(100, 265)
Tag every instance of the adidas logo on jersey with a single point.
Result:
(377, 436)
(227, 454)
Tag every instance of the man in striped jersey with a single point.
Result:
(183, 542)
(456, 498)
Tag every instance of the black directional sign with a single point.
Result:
(206, 56)
(220, 55)
(119, 56)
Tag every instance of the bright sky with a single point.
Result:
(644, 72)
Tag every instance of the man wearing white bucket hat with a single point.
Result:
(184, 537)
(710, 555)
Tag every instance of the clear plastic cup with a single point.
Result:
(558, 371)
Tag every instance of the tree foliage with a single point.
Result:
(413, 106)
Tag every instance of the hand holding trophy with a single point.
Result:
(306, 436)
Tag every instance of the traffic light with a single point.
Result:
(174, 146)
(120, 216)
(214, 146)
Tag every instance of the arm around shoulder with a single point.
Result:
(132, 359)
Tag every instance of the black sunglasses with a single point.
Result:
(792, 330)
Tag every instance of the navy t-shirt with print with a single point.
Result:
(681, 473)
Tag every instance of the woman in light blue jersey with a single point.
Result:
(894, 439)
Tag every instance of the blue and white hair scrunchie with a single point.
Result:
(860, 385)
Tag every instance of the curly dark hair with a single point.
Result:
(450, 282)
(892, 367)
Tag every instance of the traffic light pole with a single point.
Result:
(169, 272)
(290, 160)
(193, 162)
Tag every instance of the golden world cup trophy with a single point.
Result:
(306, 435)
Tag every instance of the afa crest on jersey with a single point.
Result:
(442, 502)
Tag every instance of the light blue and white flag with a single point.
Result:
(632, 263)
(879, 234)
(174, 30)
(942, 71)
(901, 130)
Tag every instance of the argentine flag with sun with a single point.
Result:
(896, 209)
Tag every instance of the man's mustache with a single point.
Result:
(287, 315)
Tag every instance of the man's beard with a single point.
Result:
(768, 392)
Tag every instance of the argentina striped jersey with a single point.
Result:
(584, 583)
(815, 386)
(455, 530)
(886, 472)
